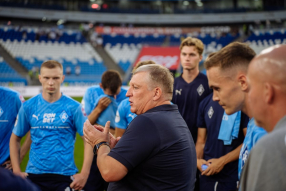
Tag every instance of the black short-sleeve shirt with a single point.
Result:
(158, 151)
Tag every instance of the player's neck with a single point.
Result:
(245, 108)
(51, 98)
(190, 75)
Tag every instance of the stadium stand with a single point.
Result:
(125, 48)
(68, 49)
(124, 55)
(262, 39)
(8, 75)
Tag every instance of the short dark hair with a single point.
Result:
(51, 64)
(111, 79)
(234, 54)
(189, 41)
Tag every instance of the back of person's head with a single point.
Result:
(235, 54)
(189, 41)
(159, 76)
(51, 64)
(142, 63)
(210, 55)
(111, 80)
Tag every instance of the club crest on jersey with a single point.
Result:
(200, 90)
(244, 156)
(210, 112)
(64, 116)
(1, 111)
(179, 92)
(49, 117)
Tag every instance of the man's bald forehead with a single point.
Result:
(271, 64)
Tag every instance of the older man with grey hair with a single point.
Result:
(157, 151)
(265, 168)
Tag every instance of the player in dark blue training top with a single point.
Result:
(192, 86)
(221, 174)
(53, 120)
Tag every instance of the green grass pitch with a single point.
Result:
(78, 149)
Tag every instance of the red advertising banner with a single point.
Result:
(166, 56)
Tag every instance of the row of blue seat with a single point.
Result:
(8, 74)
(174, 39)
(32, 36)
(267, 36)
(86, 69)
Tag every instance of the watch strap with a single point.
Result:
(97, 146)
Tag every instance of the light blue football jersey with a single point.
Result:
(109, 113)
(123, 115)
(53, 130)
(92, 93)
(10, 104)
(253, 134)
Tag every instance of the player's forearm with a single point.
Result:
(87, 161)
(15, 143)
(93, 116)
(232, 156)
(200, 150)
(25, 147)
(103, 164)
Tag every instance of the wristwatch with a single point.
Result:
(97, 146)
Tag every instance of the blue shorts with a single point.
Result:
(48, 182)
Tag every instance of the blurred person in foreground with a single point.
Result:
(157, 151)
(53, 120)
(226, 72)
(265, 168)
(124, 116)
(220, 137)
(12, 182)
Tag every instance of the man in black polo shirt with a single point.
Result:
(157, 151)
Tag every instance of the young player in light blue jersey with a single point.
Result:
(10, 104)
(92, 93)
(226, 72)
(253, 134)
(123, 117)
(53, 120)
(109, 113)
(103, 112)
